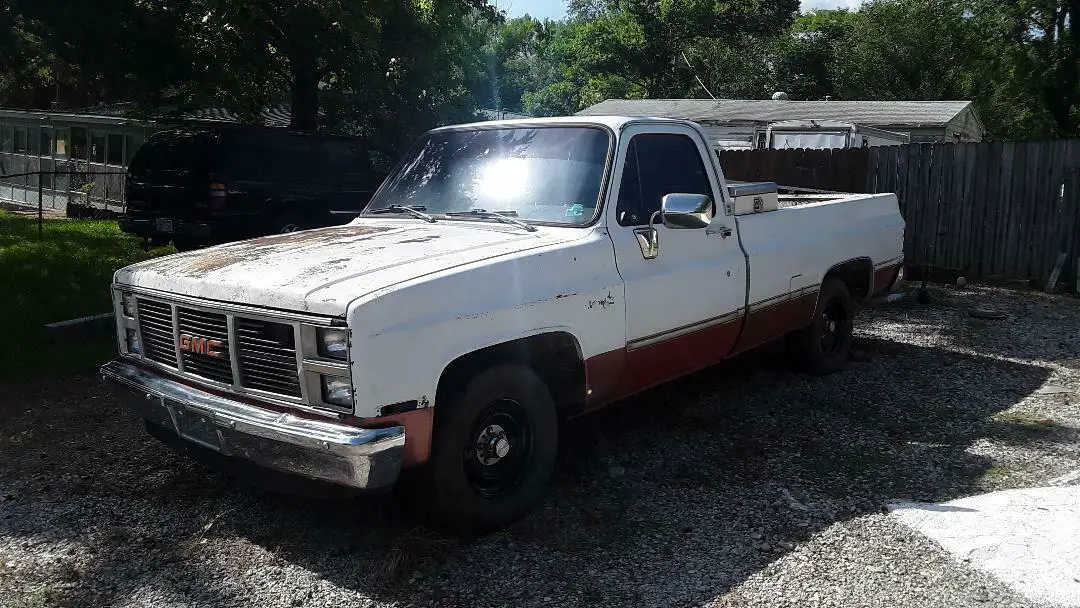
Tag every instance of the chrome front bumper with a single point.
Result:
(328, 451)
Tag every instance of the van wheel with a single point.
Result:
(493, 453)
(824, 345)
(285, 225)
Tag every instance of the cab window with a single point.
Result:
(658, 164)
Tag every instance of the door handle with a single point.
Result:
(725, 231)
(649, 241)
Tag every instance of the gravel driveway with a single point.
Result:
(748, 485)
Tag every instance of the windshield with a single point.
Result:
(548, 174)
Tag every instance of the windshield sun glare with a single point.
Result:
(550, 175)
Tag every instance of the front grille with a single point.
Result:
(267, 356)
(265, 351)
(156, 325)
(206, 337)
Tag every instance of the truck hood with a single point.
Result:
(321, 271)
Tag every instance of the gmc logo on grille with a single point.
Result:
(201, 346)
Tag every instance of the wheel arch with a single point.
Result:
(556, 356)
(857, 274)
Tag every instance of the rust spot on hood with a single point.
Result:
(421, 239)
(198, 264)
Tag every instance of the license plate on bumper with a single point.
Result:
(320, 449)
(196, 426)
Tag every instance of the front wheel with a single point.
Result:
(493, 453)
(823, 346)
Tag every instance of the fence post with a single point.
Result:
(40, 208)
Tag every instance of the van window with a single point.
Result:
(343, 157)
(174, 151)
(264, 156)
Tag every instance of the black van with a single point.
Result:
(198, 186)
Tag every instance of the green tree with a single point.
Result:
(104, 51)
(1034, 55)
(656, 48)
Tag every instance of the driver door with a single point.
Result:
(684, 306)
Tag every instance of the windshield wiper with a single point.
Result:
(505, 217)
(413, 210)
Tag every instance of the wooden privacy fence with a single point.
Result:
(1002, 209)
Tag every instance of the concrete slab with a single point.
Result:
(1028, 538)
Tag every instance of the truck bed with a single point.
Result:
(818, 231)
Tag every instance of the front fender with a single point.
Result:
(405, 338)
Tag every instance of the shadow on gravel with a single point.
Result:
(673, 497)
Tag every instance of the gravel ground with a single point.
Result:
(747, 485)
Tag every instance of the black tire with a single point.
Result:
(823, 347)
(472, 485)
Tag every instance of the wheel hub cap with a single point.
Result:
(492, 445)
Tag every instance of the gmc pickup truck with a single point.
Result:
(506, 276)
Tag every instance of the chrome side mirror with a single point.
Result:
(686, 211)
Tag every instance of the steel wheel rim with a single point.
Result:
(833, 327)
(498, 448)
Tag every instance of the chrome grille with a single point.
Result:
(198, 327)
(267, 356)
(263, 353)
(156, 327)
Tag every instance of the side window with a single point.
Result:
(658, 164)
(343, 157)
(269, 157)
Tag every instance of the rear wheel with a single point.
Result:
(823, 346)
(493, 453)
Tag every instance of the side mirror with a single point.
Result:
(686, 211)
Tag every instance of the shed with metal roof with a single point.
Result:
(923, 121)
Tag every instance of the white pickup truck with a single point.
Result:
(507, 275)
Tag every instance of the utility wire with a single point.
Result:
(696, 76)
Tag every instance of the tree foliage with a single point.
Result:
(388, 68)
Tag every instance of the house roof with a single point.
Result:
(871, 113)
(276, 116)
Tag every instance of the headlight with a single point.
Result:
(337, 390)
(133, 345)
(333, 342)
(127, 300)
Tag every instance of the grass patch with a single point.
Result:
(410, 552)
(62, 275)
(38, 598)
(998, 472)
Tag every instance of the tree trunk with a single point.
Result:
(305, 90)
(1061, 92)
